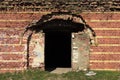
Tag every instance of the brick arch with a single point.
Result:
(64, 17)
(73, 21)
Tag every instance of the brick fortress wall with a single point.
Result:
(106, 25)
(106, 56)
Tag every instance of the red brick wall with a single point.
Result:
(106, 25)
(104, 57)
(12, 53)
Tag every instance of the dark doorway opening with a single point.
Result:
(57, 50)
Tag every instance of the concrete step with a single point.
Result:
(61, 70)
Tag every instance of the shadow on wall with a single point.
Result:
(28, 43)
(69, 22)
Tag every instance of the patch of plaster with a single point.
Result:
(39, 55)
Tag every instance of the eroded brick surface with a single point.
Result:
(12, 48)
(12, 56)
(111, 57)
(107, 65)
(101, 16)
(106, 49)
(108, 41)
(12, 65)
(10, 33)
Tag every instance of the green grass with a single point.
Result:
(43, 75)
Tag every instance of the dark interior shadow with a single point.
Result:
(28, 45)
(57, 50)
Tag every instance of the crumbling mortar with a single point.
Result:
(34, 28)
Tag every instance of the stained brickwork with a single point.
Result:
(106, 56)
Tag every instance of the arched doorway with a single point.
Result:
(58, 39)
(66, 40)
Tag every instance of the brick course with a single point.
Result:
(12, 56)
(111, 57)
(11, 48)
(105, 65)
(104, 24)
(12, 26)
(101, 16)
(108, 40)
(12, 65)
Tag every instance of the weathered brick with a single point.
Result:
(9, 40)
(14, 24)
(13, 32)
(105, 65)
(24, 40)
(12, 56)
(108, 40)
(12, 48)
(12, 64)
(10, 32)
(101, 16)
(106, 49)
(21, 16)
(107, 32)
(104, 24)
(113, 57)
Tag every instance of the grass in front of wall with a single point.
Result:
(43, 75)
